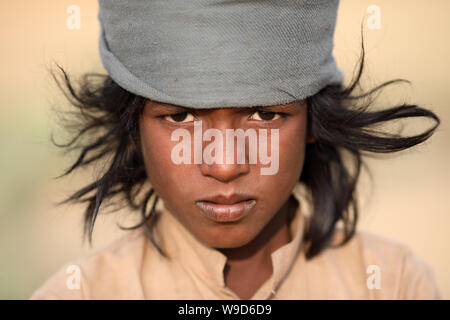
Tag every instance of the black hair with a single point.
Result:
(340, 121)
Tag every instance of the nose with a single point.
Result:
(224, 172)
(223, 169)
(221, 120)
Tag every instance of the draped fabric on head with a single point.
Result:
(219, 53)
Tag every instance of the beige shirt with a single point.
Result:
(367, 267)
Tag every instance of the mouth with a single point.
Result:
(221, 208)
(226, 212)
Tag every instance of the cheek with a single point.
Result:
(279, 186)
(156, 149)
(292, 149)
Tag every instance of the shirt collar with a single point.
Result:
(180, 244)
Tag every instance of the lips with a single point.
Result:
(221, 208)
(227, 199)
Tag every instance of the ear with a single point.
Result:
(309, 137)
(310, 140)
(136, 141)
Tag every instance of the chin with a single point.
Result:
(227, 237)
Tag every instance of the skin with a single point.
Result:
(248, 243)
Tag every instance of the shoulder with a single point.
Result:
(402, 274)
(105, 272)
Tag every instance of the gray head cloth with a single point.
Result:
(219, 53)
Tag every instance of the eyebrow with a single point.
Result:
(164, 106)
(161, 105)
(280, 107)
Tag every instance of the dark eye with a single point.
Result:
(265, 116)
(180, 117)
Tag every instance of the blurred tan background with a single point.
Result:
(407, 202)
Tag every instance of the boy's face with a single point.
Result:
(249, 199)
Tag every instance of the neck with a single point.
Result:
(242, 262)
